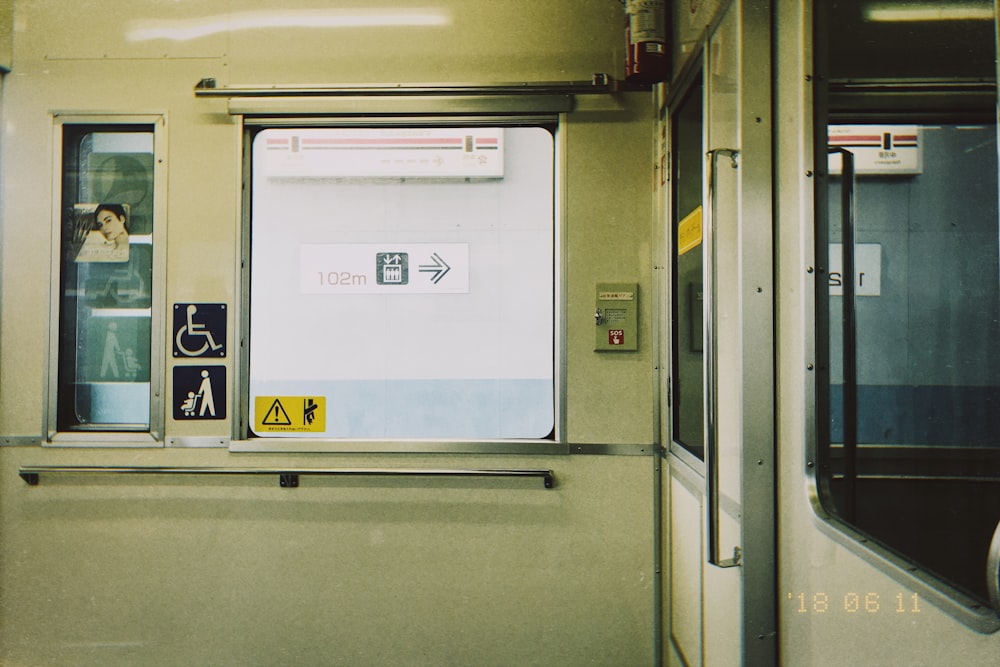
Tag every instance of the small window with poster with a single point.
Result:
(106, 276)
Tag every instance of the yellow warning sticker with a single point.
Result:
(689, 232)
(289, 414)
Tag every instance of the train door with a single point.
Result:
(889, 322)
(907, 322)
(719, 477)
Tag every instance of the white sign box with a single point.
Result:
(384, 268)
(867, 269)
(878, 149)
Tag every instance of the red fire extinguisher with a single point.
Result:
(646, 41)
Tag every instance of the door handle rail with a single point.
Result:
(711, 360)
(848, 214)
(287, 477)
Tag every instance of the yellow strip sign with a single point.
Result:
(689, 232)
(289, 414)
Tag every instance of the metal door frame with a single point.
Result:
(753, 335)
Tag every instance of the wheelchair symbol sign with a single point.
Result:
(199, 330)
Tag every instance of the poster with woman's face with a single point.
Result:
(101, 232)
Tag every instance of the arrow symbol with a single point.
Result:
(439, 268)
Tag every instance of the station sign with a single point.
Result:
(867, 269)
(384, 268)
(384, 152)
(878, 149)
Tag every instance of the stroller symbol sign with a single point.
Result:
(199, 392)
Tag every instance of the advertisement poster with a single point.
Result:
(100, 232)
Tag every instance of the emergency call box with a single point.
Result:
(617, 317)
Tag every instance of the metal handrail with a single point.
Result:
(600, 83)
(711, 361)
(849, 344)
(288, 477)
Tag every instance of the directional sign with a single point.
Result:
(439, 268)
(384, 268)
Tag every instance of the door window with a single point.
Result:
(687, 167)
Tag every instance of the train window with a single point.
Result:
(688, 255)
(909, 310)
(402, 283)
(106, 278)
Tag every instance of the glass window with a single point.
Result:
(106, 278)
(688, 312)
(402, 283)
(909, 307)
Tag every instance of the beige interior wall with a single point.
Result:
(104, 570)
(107, 570)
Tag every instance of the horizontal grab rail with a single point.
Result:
(287, 477)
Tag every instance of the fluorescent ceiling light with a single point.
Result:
(186, 29)
(885, 12)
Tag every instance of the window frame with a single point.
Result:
(243, 437)
(111, 436)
